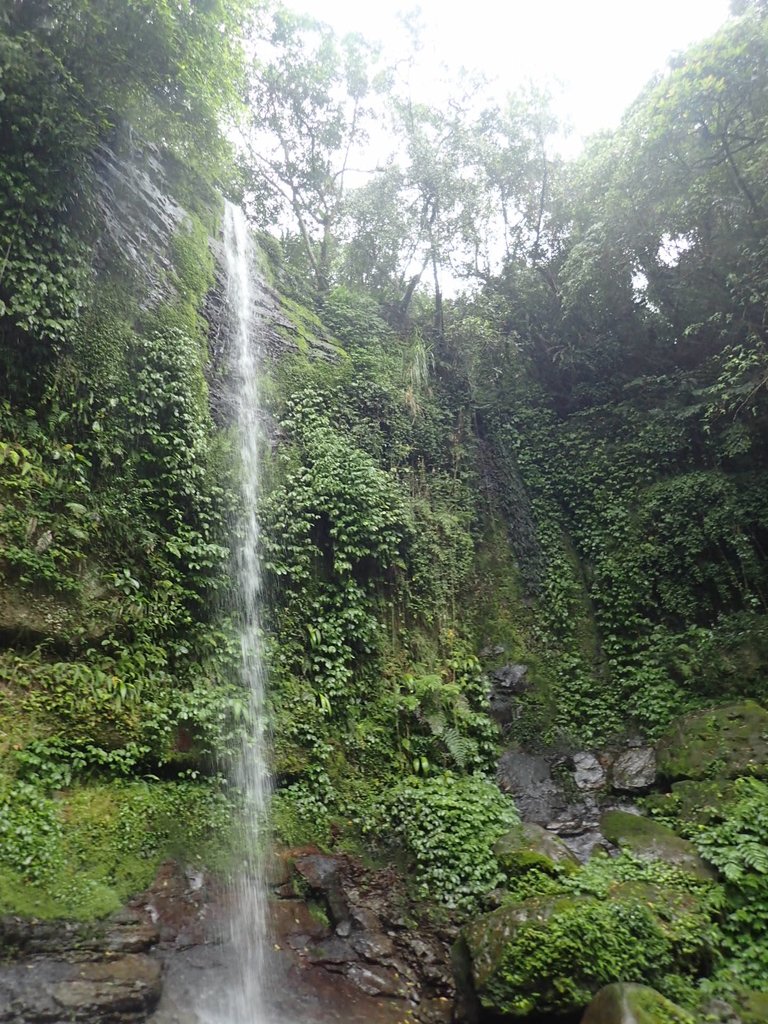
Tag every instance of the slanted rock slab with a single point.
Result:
(650, 840)
(633, 1004)
(529, 847)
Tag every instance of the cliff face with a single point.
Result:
(479, 564)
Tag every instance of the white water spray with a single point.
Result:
(245, 1002)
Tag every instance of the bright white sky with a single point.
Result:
(595, 54)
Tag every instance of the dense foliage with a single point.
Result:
(537, 436)
(115, 493)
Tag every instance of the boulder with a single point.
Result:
(723, 742)
(650, 840)
(552, 955)
(634, 769)
(633, 1004)
(528, 779)
(531, 847)
(693, 803)
(588, 771)
(323, 874)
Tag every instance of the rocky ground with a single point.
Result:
(342, 950)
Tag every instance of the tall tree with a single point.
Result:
(308, 96)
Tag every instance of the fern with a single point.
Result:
(462, 749)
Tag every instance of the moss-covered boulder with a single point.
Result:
(692, 803)
(530, 847)
(751, 1007)
(633, 1004)
(721, 742)
(650, 840)
(552, 955)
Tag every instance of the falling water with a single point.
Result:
(245, 1002)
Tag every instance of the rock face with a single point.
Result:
(346, 955)
(722, 742)
(650, 840)
(633, 1004)
(568, 793)
(100, 974)
(138, 212)
(528, 778)
(507, 684)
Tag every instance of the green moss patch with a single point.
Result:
(82, 853)
(727, 741)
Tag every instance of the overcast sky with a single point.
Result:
(596, 54)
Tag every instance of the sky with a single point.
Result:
(596, 55)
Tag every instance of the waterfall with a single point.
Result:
(245, 1002)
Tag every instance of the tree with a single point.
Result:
(308, 94)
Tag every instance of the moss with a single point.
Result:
(84, 854)
(651, 840)
(691, 803)
(307, 331)
(620, 1003)
(531, 848)
(550, 956)
(721, 742)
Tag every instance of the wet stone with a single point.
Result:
(373, 946)
(588, 772)
(332, 951)
(377, 981)
(634, 769)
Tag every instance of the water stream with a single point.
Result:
(245, 1002)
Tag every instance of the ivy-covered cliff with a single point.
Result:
(513, 536)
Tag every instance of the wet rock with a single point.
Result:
(511, 678)
(377, 981)
(373, 946)
(365, 919)
(318, 870)
(633, 1004)
(332, 951)
(722, 742)
(279, 868)
(650, 840)
(419, 948)
(323, 874)
(634, 769)
(588, 772)
(185, 906)
(294, 917)
(139, 215)
(115, 991)
(528, 779)
(436, 1011)
(507, 684)
(124, 932)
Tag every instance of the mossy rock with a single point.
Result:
(552, 955)
(650, 840)
(530, 847)
(722, 742)
(752, 1007)
(692, 803)
(633, 1004)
